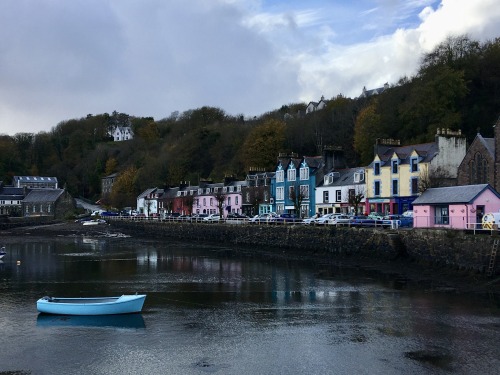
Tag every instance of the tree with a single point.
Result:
(220, 197)
(263, 144)
(297, 195)
(124, 191)
(366, 131)
(355, 197)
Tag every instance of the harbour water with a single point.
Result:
(212, 310)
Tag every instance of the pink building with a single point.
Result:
(457, 207)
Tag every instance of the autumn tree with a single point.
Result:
(124, 191)
(263, 145)
(366, 131)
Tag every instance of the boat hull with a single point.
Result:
(125, 304)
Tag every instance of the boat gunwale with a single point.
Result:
(97, 301)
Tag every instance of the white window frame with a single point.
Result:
(338, 195)
(304, 173)
(280, 176)
(280, 193)
(291, 174)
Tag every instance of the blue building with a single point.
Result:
(294, 184)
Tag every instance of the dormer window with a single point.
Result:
(414, 165)
(304, 173)
(359, 177)
(328, 179)
(291, 176)
(280, 176)
(394, 166)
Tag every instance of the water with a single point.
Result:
(210, 311)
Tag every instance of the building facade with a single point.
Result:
(398, 173)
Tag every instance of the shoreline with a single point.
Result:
(404, 272)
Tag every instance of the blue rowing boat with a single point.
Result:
(125, 304)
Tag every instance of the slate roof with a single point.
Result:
(489, 144)
(43, 195)
(452, 194)
(344, 177)
(11, 193)
(427, 151)
(37, 179)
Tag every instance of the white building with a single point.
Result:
(332, 195)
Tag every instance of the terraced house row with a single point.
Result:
(305, 185)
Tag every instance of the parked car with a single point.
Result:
(339, 220)
(235, 215)
(199, 217)
(365, 221)
(408, 213)
(402, 221)
(212, 218)
(286, 218)
(172, 216)
(310, 220)
(262, 218)
(375, 215)
(323, 219)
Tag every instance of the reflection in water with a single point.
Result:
(115, 321)
(213, 310)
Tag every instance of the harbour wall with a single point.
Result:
(449, 248)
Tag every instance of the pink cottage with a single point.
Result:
(457, 207)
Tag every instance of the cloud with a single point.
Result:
(64, 59)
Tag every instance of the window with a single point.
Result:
(394, 165)
(204, 201)
(376, 169)
(414, 165)
(414, 186)
(228, 201)
(304, 189)
(291, 176)
(280, 193)
(328, 179)
(359, 177)
(304, 173)
(280, 176)
(291, 193)
(325, 196)
(441, 215)
(376, 188)
(395, 187)
(236, 200)
(478, 169)
(352, 194)
(338, 195)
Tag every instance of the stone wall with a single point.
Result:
(450, 248)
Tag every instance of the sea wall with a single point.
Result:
(449, 248)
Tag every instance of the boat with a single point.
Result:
(2, 252)
(125, 304)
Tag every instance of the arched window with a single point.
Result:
(478, 169)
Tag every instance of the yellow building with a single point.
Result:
(397, 173)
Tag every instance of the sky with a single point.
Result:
(62, 60)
